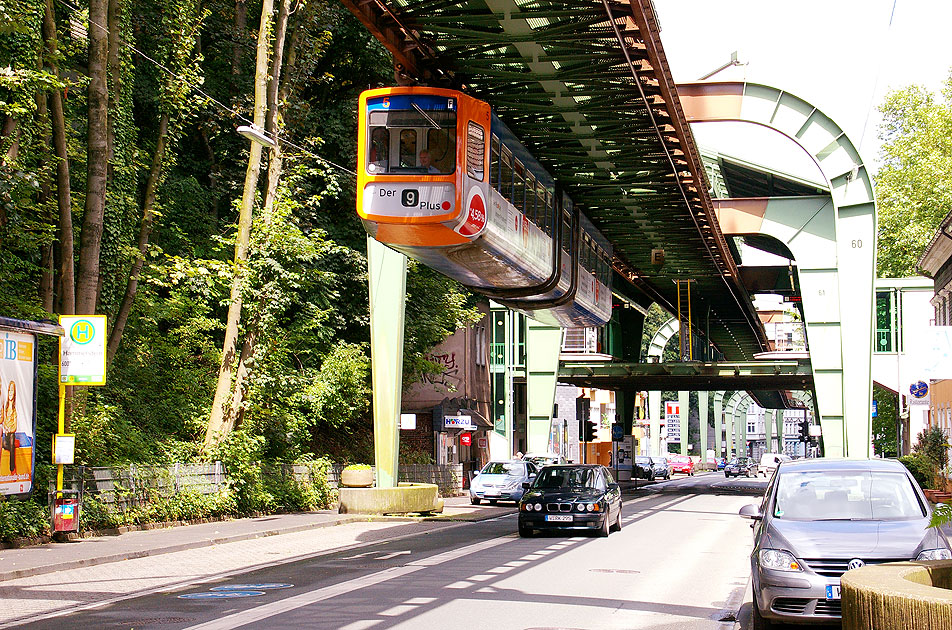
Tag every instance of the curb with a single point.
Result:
(145, 553)
(208, 542)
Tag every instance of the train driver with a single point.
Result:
(425, 162)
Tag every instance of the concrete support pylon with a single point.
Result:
(832, 238)
(702, 409)
(684, 410)
(543, 344)
(768, 430)
(387, 277)
(718, 424)
(654, 422)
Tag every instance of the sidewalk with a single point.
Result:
(52, 557)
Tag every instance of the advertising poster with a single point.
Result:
(672, 421)
(17, 412)
(624, 454)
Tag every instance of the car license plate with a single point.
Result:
(492, 493)
(560, 518)
(832, 591)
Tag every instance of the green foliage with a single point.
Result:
(920, 467)
(911, 192)
(23, 519)
(932, 444)
(884, 424)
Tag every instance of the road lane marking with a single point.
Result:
(266, 611)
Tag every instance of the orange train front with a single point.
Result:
(441, 179)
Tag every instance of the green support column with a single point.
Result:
(684, 409)
(625, 410)
(387, 276)
(654, 422)
(778, 417)
(718, 424)
(542, 367)
(702, 403)
(768, 436)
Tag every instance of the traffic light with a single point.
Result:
(804, 430)
(583, 413)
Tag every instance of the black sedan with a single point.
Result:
(740, 466)
(643, 468)
(572, 497)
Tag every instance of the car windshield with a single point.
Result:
(642, 460)
(504, 468)
(847, 495)
(570, 478)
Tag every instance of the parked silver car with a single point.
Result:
(501, 481)
(820, 518)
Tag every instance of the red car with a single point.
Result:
(681, 464)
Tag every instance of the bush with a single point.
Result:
(19, 519)
(921, 468)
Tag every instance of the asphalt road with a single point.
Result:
(680, 562)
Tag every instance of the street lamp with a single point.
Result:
(256, 134)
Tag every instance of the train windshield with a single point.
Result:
(411, 135)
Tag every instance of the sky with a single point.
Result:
(842, 56)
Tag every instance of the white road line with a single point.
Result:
(266, 611)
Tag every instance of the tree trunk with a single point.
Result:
(97, 155)
(10, 128)
(216, 427)
(241, 20)
(67, 288)
(46, 251)
(145, 231)
(274, 175)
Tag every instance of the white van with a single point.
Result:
(769, 462)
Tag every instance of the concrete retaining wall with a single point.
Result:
(898, 596)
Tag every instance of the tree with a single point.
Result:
(911, 185)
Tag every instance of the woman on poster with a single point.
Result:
(8, 422)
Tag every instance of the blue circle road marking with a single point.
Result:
(251, 587)
(221, 595)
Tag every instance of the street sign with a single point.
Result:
(465, 439)
(875, 411)
(617, 432)
(83, 350)
(459, 422)
(919, 389)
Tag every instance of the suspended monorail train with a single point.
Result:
(443, 180)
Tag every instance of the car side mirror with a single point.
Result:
(750, 511)
(475, 473)
(525, 485)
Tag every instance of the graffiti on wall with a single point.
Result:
(450, 377)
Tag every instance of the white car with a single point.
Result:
(543, 459)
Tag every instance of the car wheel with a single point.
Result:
(525, 532)
(757, 621)
(605, 529)
(727, 474)
(474, 500)
(651, 477)
(617, 525)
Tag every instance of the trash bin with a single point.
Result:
(65, 505)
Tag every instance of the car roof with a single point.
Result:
(574, 466)
(827, 465)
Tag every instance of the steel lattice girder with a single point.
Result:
(603, 118)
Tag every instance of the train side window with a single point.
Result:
(541, 210)
(550, 213)
(530, 197)
(475, 151)
(441, 145)
(505, 174)
(408, 148)
(378, 158)
(494, 163)
(519, 186)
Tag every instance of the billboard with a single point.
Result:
(17, 411)
(672, 421)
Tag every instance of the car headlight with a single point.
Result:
(538, 507)
(527, 507)
(935, 554)
(778, 560)
(580, 507)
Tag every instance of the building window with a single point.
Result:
(885, 321)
